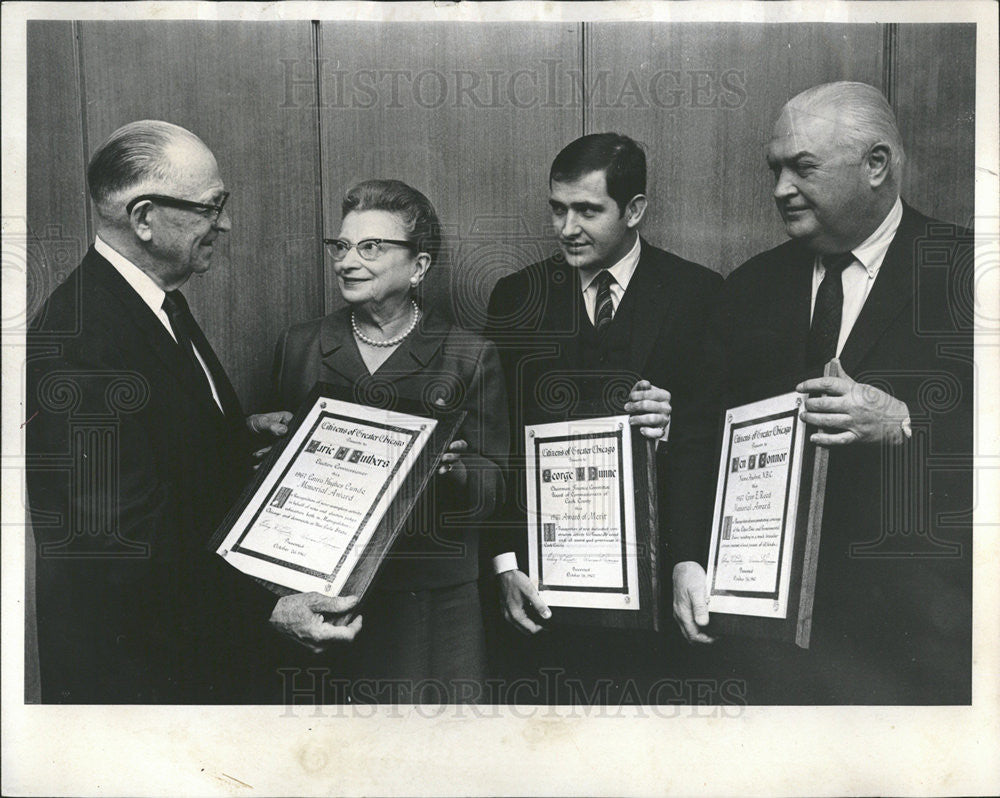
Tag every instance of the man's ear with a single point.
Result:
(139, 220)
(635, 210)
(878, 164)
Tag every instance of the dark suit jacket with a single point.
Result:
(439, 545)
(130, 469)
(892, 614)
(538, 321)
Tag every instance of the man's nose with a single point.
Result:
(569, 226)
(224, 223)
(784, 185)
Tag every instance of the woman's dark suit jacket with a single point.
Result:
(438, 365)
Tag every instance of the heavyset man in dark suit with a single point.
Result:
(137, 447)
(610, 324)
(869, 280)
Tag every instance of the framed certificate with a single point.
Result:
(765, 529)
(592, 521)
(333, 494)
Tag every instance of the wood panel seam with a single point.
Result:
(84, 136)
(889, 56)
(583, 78)
(320, 216)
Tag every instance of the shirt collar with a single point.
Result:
(622, 271)
(141, 283)
(871, 252)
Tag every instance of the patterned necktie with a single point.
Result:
(825, 330)
(603, 308)
(183, 323)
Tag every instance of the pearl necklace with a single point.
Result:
(392, 341)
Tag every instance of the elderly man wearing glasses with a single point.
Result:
(137, 447)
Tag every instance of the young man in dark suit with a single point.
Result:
(608, 325)
(137, 447)
(869, 280)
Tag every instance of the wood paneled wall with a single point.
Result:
(707, 98)
(472, 115)
(57, 203)
(226, 82)
(444, 116)
(932, 86)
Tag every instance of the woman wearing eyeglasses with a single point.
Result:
(422, 624)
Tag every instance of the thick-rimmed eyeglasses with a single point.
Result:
(368, 248)
(211, 211)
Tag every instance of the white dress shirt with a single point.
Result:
(858, 278)
(622, 272)
(150, 293)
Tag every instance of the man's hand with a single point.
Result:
(452, 463)
(517, 593)
(314, 620)
(649, 408)
(690, 601)
(851, 412)
(274, 424)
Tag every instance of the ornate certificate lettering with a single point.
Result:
(755, 508)
(310, 520)
(581, 514)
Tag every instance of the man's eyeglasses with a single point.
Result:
(368, 248)
(210, 211)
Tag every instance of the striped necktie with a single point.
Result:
(603, 309)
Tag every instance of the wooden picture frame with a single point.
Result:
(631, 599)
(294, 458)
(736, 612)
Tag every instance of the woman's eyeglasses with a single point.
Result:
(368, 248)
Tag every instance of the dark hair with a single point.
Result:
(134, 154)
(620, 158)
(413, 208)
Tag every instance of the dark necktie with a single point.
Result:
(603, 308)
(825, 330)
(184, 327)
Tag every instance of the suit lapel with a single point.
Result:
(416, 350)
(339, 354)
(563, 311)
(892, 292)
(231, 407)
(149, 327)
(794, 295)
(649, 300)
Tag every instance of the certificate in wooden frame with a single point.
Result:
(422, 436)
(765, 536)
(633, 601)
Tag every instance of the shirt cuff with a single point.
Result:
(505, 562)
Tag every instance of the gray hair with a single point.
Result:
(135, 155)
(415, 211)
(862, 113)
